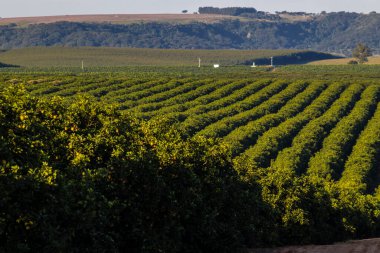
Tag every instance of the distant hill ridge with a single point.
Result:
(227, 28)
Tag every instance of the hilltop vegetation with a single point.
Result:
(331, 32)
(230, 11)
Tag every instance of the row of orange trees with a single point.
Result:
(82, 176)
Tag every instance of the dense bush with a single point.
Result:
(85, 178)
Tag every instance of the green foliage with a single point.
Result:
(328, 162)
(98, 178)
(277, 138)
(246, 135)
(81, 177)
(361, 169)
(225, 125)
(328, 32)
(361, 52)
(305, 210)
(308, 140)
(232, 11)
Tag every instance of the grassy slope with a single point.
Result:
(371, 60)
(117, 57)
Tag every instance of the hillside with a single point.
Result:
(337, 32)
(119, 57)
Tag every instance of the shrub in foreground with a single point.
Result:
(82, 177)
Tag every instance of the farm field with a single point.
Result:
(135, 18)
(371, 60)
(186, 132)
(55, 57)
(275, 156)
(117, 18)
(261, 119)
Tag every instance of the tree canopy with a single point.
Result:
(84, 177)
(361, 52)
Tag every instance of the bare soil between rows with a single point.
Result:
(360, 246)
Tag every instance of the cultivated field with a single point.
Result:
(117, 57)
(281, 156)
(323, 129)
(117, 18)
(371, 60)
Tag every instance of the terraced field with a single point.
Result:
(326, 129)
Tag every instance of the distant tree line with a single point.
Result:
(232, 11)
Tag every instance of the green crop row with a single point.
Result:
(329, 161)
(197, 122)
(277, 138)
(361, 170)
(203, 100)
(227, 124)
(241, 137)
(309, 139)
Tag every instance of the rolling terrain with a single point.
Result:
(117, 18)
(119, 57)
(266, 157)
(261, 120)
(337, 32)
(112, 139)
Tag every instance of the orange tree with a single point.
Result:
(83, 177)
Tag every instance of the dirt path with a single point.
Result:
(362, 246)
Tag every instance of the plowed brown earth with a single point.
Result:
(362, 246)
(116, 18)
